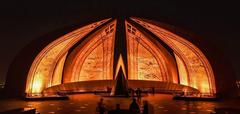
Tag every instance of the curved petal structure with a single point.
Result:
(42, 69)
(155, 57)
(200, 73)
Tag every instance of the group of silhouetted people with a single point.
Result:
(133, 108)
(138, 92)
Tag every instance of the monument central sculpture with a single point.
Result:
(120, 87)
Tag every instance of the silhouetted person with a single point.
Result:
(100, 108)
(153, 90)
(129, 90)
(134, 107)
(101, 101)
(108, 89)
(116, 111)
(132, 92)
(117, 107)
(138, 92)
(145, 107)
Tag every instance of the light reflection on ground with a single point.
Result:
(86, 104)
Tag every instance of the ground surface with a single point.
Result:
(86, 104)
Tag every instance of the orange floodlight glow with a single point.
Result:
(147, 60)
(198, 68)
(46, 60)
(37, 85)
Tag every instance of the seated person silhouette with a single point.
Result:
(116, 111)
(134, 107)
(147, 108)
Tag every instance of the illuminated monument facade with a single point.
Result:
(90, 57)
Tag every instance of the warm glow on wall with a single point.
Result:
(93, 59)
(57, 76)
(37, 84)
(200, 73)
(85, 55)
(47, 59)
(182, 71)
(197, 71)
(205, 87)
(147, 59)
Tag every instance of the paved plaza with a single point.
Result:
(86, 104)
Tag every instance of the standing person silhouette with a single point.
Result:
(138, 92)
(101, 109)
(132, 92)
(116, 111)
(153, 90)
(101, 101)
(134, 107)
(147, 108)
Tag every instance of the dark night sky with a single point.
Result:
(22, 21)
